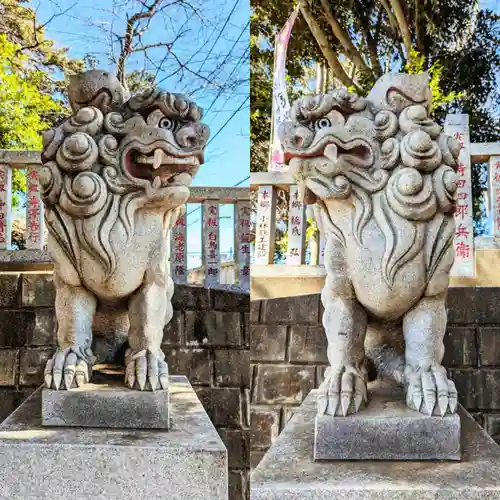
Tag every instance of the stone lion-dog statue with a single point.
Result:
(115, 177)
(383, 177)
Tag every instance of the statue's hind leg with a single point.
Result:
(149, 311)
(344, 390)
(424, 327)
(75, 308)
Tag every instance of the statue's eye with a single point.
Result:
(323, 123)
(166, 123)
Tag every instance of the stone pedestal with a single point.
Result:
(189, 461)
(387, 430)
(106, 402)
(288, 470)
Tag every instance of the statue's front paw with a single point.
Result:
(145, 370)
(428, 390)
(75, 364)
(344, 391)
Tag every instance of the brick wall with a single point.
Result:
(288, 358)
(207, 340)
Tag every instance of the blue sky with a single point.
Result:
(213, 45)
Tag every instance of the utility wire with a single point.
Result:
(219, 35)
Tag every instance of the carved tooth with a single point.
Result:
(156, 183)
(158, 158)
(331, 152)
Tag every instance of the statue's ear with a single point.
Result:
(396, 91)
(97, 88)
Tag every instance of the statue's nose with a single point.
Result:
(193, 136)
(295, 136)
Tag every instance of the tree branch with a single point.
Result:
(403, 26)
(364, 25)
(322, 40)
(341, 35)
(420, 44)
(130, 32)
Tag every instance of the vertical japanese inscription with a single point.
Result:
(178, 251)
(211, 250)
(457, 126)
(242, 243)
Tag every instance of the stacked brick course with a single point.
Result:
(288, 358)
(207, 340)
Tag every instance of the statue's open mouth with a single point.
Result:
(156, 164)
(338, 158)
(357, 151)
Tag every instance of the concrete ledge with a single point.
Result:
(187, 462)
(288, 471)
(387, 430)
(106, 403)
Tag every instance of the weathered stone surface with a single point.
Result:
(216, 328)
(489, 345)
(282, 384)
(108, 404)
(38, 290)
(254, 311)
(187, 462)
(308, 344)
(8, 363)
(15, 327)
(9, 284)
(138, 153)
(387, 430)
(268, 342)
(492, 424)
(172, 332)
(238, 484)
(45, 328)
(288, 471)
(32, 365)
(473, 305)
(191, 297)
(460, 347)
(291, 310)
(223, 405)
(265, 424)
(227, 300)
(237, 443)
(466, 381)
(232, 367)
(196, 363)
(381, 176)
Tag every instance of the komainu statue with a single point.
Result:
(115, 177)
(382, 176)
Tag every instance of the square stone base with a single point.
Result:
(387, 430)
(189, 461)
(106, 402)
(288, 470)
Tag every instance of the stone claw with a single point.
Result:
(343, 392)
(429, 391)
(66, 366)
(145, 370)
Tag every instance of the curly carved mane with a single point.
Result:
(389, 155)
(84, 184)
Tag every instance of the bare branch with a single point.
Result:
(330, 56)
(403, 26)
(341, 35)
